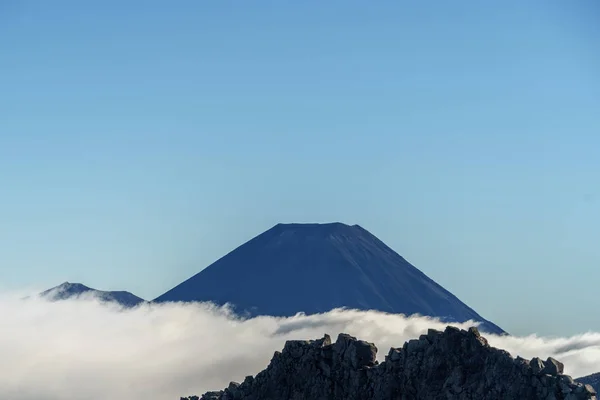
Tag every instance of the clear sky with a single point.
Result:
(142, 140)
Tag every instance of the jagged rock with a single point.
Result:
(450, 365)
(553, 367)
(537, 366)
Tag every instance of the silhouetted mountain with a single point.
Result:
(592, 380)
(315, 268)
(69, 290)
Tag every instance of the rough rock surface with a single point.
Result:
(454, 364)
(592, 380)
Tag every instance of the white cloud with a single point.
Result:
(84, 350)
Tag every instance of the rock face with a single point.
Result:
(592, 380)
(314, 268)
(454, 364)
(69, 290)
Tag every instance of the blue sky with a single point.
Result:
(141, 141)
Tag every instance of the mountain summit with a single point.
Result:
(315, 268)
(69, 290)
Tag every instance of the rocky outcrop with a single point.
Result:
(454, 364)
(592, 380)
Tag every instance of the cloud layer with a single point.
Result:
(81, 349)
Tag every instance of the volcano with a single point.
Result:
(314, 268)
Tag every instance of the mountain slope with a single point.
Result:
(69, 290)
(592, 380)
(314, 268)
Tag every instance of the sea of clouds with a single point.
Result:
(81, 349)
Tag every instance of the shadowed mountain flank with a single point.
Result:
(592, 380)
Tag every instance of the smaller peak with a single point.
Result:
(70, 286)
